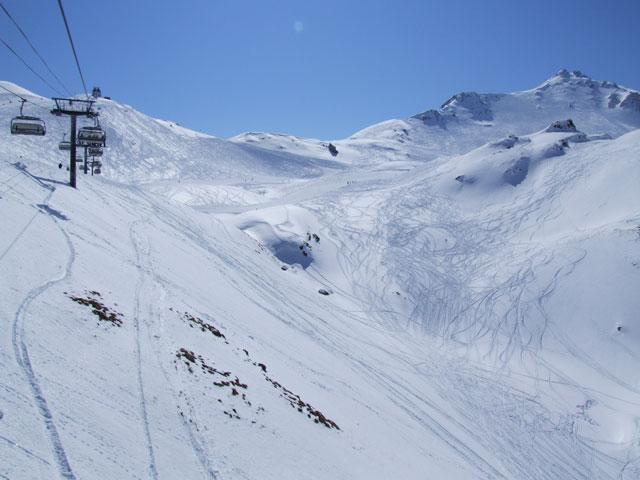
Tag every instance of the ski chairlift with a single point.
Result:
(96, 164)
(64, 145)
(95, 151)
(92, 137)
(97, 171)
(24, 125)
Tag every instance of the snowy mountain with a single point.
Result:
(470, 119)
(453, 295)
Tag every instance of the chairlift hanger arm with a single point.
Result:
(74, 106)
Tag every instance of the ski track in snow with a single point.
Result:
(363, 257)
(146, 266)
(25, 450)
(461, 248)
(331, 341)
(21, 353)
(138, 247)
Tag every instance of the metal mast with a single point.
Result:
(73, 108)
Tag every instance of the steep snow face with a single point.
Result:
(468, 120)
(276, 311)
(143, 150)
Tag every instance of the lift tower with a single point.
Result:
(73, 108)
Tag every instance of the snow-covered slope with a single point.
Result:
(363, 315)
(142, 149)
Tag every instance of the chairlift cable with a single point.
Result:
(13, 93)
(29, 67)
(34, 48)
(73, 48)
(22, 99)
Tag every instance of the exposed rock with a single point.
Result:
(516, 174)
(431, 118)
(631, 102)
(478, 105)
(562, 126)
(466, 179)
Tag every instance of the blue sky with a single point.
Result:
(322, 69)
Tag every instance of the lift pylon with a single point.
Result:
(73, 108)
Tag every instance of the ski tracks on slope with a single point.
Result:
(21, 353)
(141, 248)
(146, 268)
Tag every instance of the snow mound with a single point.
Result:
(285, 231)
(510, 141)
(598, 136)
(509, 162)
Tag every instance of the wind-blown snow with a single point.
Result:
(453, 296)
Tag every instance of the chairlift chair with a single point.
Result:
(24, 125)
(91, 137)
(97, 171)
(64, 145)
(95, 151)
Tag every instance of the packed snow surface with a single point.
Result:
(450, 296)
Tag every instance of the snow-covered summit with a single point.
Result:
(575, 77)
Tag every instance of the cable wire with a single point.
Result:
(66, 24)
(13, 93)
(34, 48)
(30, 68)
(34, 103)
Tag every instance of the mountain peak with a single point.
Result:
(575, 77)
(567, 75)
